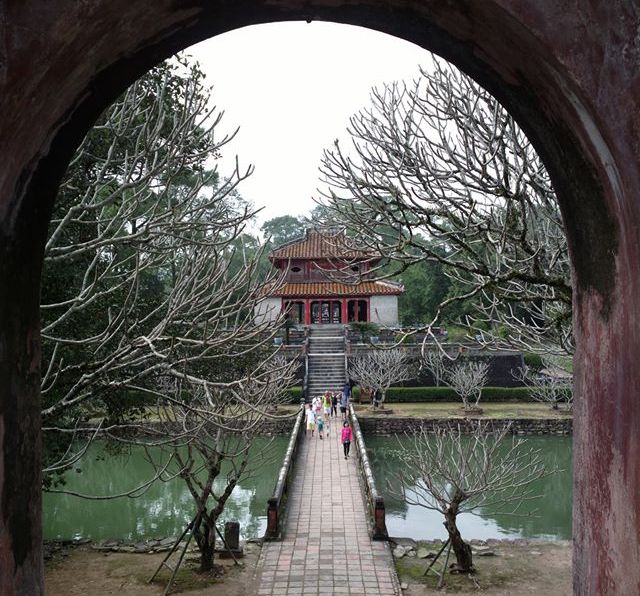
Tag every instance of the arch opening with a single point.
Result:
(569, 110)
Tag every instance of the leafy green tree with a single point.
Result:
(138, 284)
(426, 286)
(283, 229)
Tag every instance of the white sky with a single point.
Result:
(291, 88)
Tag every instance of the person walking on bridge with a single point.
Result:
(326, 404)
(344, 400)
(310, 417)
(346, 438)
(334, 404)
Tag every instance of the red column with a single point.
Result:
(307, 312)
(344, 310)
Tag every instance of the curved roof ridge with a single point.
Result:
(328, 289)
(318, 243)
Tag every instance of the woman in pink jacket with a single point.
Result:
(347, 436)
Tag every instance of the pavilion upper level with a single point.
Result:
(326, 278)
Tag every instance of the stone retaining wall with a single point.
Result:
(519, 426)
(278, 427)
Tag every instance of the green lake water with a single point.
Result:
(548, 517)
(163, 510)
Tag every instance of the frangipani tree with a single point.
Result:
(143, 275)
(209, 438)
(551, 385)
(434, 361)
(437, 171)
(447, 471)
(467, 379)
(378, 369)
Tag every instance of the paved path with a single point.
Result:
(326, 547)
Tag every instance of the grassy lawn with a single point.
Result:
(453, 409)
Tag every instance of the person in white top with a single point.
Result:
(310, 417)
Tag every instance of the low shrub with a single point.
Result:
(437, 394)
(447, 394)
(365, 328)
(533, 360)
(295, 393)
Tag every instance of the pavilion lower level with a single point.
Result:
(311, 311)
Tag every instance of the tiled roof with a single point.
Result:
(321, 244)
(329, 288)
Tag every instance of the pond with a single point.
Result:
(546, 518)
(163, 510)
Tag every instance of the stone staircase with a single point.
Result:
(326, 359)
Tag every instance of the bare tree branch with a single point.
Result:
(450, 472)
(438, 171)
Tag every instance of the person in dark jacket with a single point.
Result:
(344, 400)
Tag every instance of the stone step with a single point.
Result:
(328, 333)
(326, 349)
(319, 389)
(326, 363)
(325, 377)
(322, 390)
(322, 374)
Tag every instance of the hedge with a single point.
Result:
(447, 394)
(533, 360)
(296, 394)
(438, 394)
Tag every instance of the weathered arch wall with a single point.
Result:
(569, 70)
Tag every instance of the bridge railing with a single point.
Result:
(375, 501)
(276, 504)
(305, 381)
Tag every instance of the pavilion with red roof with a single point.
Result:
(325, 281)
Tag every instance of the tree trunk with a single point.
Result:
(464, 558)
(383, 396)
(206, 557)
(206, 540)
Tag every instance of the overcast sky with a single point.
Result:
(291, 88)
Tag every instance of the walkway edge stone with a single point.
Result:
(373, 498)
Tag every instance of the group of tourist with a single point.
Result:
(323, 408)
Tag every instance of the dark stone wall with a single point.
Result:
(499, 375)
(501, 364)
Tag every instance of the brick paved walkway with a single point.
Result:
(326, 547)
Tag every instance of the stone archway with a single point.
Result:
(568, 70)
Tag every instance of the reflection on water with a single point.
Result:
(161, 511)
(546, 518)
